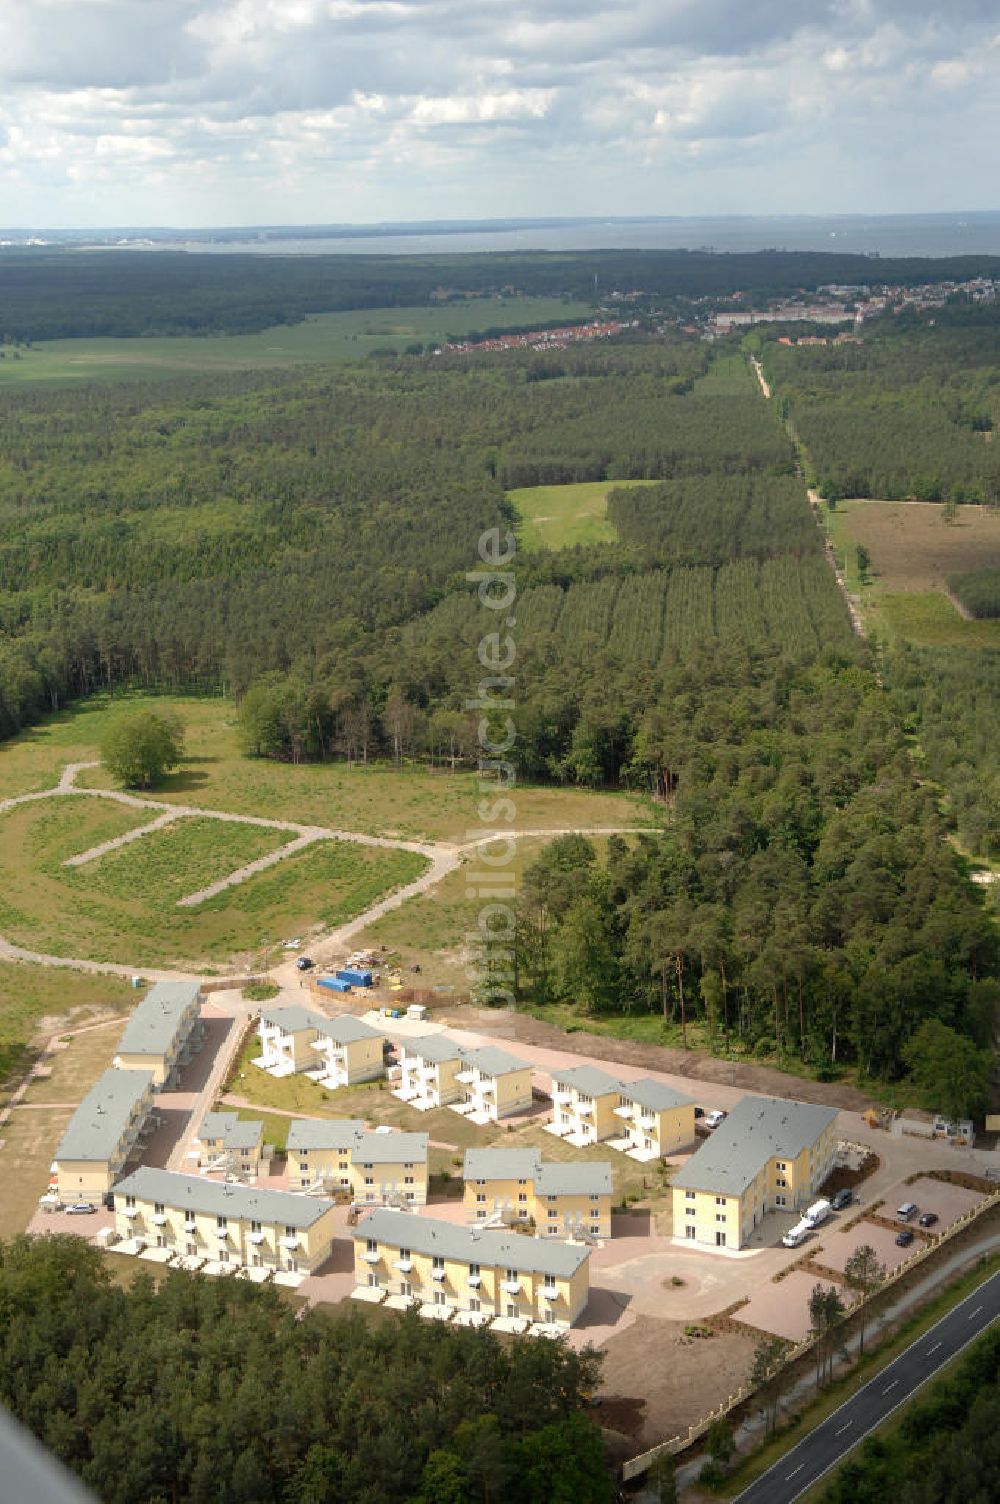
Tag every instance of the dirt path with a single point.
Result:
(759, 373)
(95, 852)
(242, 873)
(816, 501)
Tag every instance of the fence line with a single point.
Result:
(641, 1464)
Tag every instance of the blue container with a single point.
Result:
(356, 977)
(335, 984)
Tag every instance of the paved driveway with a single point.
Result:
(783, 1308)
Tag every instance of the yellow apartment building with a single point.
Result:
(767, 1155)
(584, 1101)
(287, 1035)
(230, 1145)
(162, 1031)
(563, 1199)
(101, 1135)
(390, 1168)
(319, 1152)
(471, 1275)
(347, 1051)
(429, 1067)
(658, 1120)
(496, 1085)
(221, 1223)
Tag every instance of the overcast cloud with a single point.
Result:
(130, 112)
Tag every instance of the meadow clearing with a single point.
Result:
(913, 550)
(561, 516)
(342, 336)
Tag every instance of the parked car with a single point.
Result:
(816, 1214)
(797, 1234)
(904, 1238)
(907, 1211)
(928, 1219)
(715, 1118)
(840, 1199)
(304, 963)
(81, 1208)
(699, 1112)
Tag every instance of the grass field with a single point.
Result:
(728, 376)
(913, 551)
(32, 996)
(122, 907)
(324, 337)
(413, 803)
(560, 516)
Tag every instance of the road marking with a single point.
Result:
(850, 1423)
(933, 1349)
(975, 1312)
(890, 1386)
(794, 1471)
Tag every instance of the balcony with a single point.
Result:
(403, 1265)
(474, 1281)
(255, 1237)
(562, 1098)
(371, 1256)
(512, 1286)
(624, 1111)
(438, 1274)
(467, 1078)
(130, 1211)
(291, 1243)
(158, 1219)
(222, 1233)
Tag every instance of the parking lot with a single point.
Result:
(782, 1307)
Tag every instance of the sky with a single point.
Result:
(211, 112)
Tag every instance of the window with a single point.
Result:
(410, 1196)
(191, 1249)
(523, 1196)
(781, 1165)
(290, 1232)
(474, 1303)
(720, 1217)
(222, 1223)
(480, 1182)
(474, 1269)
(130, 1201)
(689, 1195)
(689, 1232)
(408, 1165)
(369, 1180)
(223, 1255)
(161, 1241)
(553, 1211)
(373, 1281)
(481, 1211)
(255, 1227)
(404, 1253)
(720, 1200)
(371, 1246)
(480, 1197)
(438, 1261)
(158, 1208)
(780, 1200)
(595, 1226)
(522, 1182)
(512, 1274)
(408, 1180)
(690, 1211)
(439, 1297)
(342, 1164)
(782, 1182)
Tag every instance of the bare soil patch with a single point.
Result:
(913, 548)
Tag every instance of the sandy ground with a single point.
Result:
(783, 1308)
(835, 1250)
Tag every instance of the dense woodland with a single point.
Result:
(946, 1448)
(204, 1391)
(56, 294)
(909, 412)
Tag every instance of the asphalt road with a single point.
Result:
(830, 1442)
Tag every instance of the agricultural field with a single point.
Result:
(323, 337)
(122, 906)
(913, 551)
(561, 516)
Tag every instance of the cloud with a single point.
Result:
(196, 111)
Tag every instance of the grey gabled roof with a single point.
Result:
(152, 1028)
(493, 1062)
(214, 1198)
(757, 1129)
(345, 1029)
(294, 1017)
(94, 1130)
(501, 1164)
(235, 1132)
(330, 1133)
(433, 1048)
(573, 1178)
(653, 1095)
(389, 1148)
(473, 1244)
(588, 1080)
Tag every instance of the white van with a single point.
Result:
(797, 1234)
(816, 1214)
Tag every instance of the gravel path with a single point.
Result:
(130, 835)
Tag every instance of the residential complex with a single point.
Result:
(429, 1067)
(562, 1198)
(101, 1134)
(584, 1101)
(231, 1144)
(658, 1120)
(496, 1085)
(767, 1155)
(221, 1223)
(319, 1153)
(162, 1030)
(337, 1051)
(474, 1274)
(342, 1155)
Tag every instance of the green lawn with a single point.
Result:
(29, 994)
(122, 907)
(342, 336)
(727, 376)
(561, 516)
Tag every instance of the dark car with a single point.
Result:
(904, 1238)
(81, 1208)
(928, 1219)
(304, 963)
(699, 1112)
(842, 1199)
